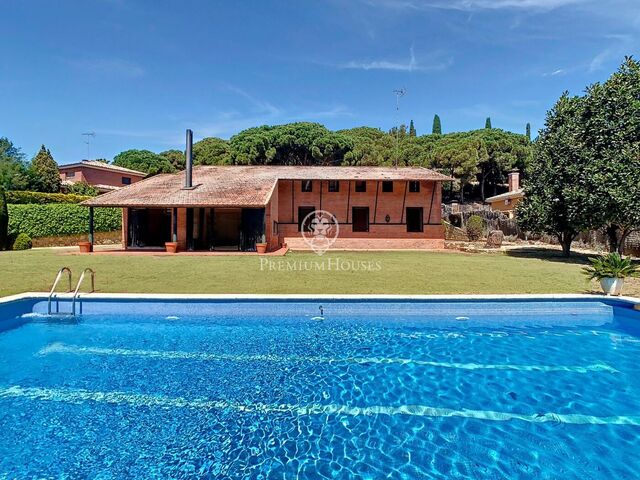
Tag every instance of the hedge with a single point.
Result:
(19, 197)
(61, 219)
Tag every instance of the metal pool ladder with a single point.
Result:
(54, 296)
(75, 293)
(53, 289)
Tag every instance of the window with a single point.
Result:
(307, 186)
(414, 219)
(69, 174)
(360, 219)
(126, 180)
(414, 186)
(304, 214)
(361, 186)
(334, 186)
(387, 187)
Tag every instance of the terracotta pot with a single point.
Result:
(612, 286)
(85, 247)
(171, 247)
(261, 248)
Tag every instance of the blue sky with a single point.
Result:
(138, 72)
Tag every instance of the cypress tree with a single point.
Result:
(4, 221)
(412, 129)
(528, 131)
(487, 123)
(437, 127)
(45, 171)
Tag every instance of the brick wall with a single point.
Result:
(96, 176)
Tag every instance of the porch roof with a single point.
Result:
(242, 186)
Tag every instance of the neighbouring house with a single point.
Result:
(103, 176)
(232, 207)
(506, 202)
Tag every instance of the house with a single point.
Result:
(103, 176)
(233, 207)
(506, 202)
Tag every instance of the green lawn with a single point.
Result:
(394, 272)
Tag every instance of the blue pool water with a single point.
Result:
(377, 389)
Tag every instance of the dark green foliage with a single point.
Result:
(611, 265)
(13, 170)
(211, 151)
(437, 126)
(487, 123)
(175, 157)
(61, 219)
(412, 129)
(301, 143)
(475, 227)
(82, 188)
(558, 200)
(44, 172)
(528, 131)
(4, 221)
(26, 197)
(144, 161)
(22, 242)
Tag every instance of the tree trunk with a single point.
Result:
(482, 186)
(566, 238)
(617, 235)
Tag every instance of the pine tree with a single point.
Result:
(412, 129)
(528, 131)
(45, 171)
(437, 127)
(487, 123)
(4, 221)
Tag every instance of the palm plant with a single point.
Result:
(611, 265)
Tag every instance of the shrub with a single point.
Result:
(61, 219)
(23, 242)
(82, 188)
(475, 227)
(18, 197)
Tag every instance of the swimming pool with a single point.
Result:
(320, 388)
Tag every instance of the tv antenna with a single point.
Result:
(88, 136)
(399, 93)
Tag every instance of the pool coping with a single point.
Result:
(320, 296)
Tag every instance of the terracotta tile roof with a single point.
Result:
(246, 186)
(101, 166)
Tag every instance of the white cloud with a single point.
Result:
(409, 65)
(109, 66)
(260, 105)
(470, 5)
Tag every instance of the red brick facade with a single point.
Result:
(104, 177)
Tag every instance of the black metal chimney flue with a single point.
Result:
(189, 160)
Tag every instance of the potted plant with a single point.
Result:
(611, 270)
(171, 247)
(261, 245)
(85, 247)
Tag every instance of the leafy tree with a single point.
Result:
(143, 161)
(13, 171)
(487, 123)
(301, 143)
(437, 127)
(4, 221)
(412, 129)
(558, 199)
(528, 131)
(611, 136)
(211, 151)
(175, 158)
(371, 146)
(44, 172)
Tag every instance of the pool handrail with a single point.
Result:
(55, 284)
(75, 293)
